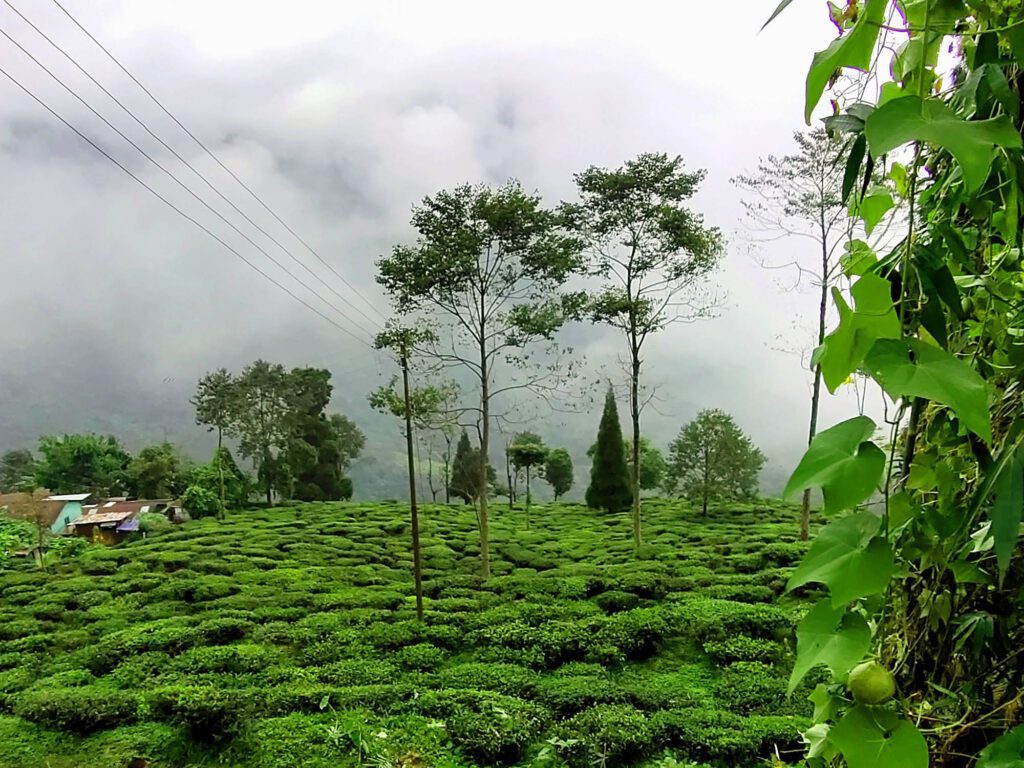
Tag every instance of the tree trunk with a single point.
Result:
(528, 496)
(485, 437)
(805, 506)
(447, 469)
(417, 568)
(508, 475)
(220, 469)
(634, 412)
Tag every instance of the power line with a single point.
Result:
(170, 149)
(181, 184)
(217, 160)
(178, 210)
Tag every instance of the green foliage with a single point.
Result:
(832, 637)
(465, 479)
(558, 471)
(937, 324)
(712, 460)
(157, 472)
(843, 463)
(850, 557)
(609, 484)
(200, 502)
(289, 635)
(16, 467)
(237, 485)
(81, 463)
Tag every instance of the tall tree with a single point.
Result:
(610, 487)
(654, 256)
(16, 467)
(320, 448)
(466, 481)
(526, 452)
(490, 263)
(157, 472)
(262, 422)
(558, 471)
(799, 196)
(652, 463)
(712, 460)
(216, 403)
(81, 463)
(415, 409)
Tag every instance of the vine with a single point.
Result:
(920, 630)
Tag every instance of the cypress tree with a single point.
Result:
(465, 480)
(609, 481)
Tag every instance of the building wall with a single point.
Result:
(71, 511)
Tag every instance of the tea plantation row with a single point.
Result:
(287, 637)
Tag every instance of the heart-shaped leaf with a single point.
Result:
(849, 557)
(971, 142)
(871, 737)
(873, 317)
(911, 368)
(1005, 752)
(829, 636)
(843, 463)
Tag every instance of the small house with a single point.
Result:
(68, 507)
(110, 522)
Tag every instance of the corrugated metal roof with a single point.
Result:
(111, 512)
(69, 497)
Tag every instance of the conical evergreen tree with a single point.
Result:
(609, 480)
(465, 482)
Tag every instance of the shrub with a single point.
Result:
(743, 648)
(422, 656)
(200, 502)
(209, 713)
(616, 601)
(80, 710)
(605, 735)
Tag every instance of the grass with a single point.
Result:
(287, 637)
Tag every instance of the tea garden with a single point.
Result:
(287, 637)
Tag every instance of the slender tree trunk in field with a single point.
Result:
(805, 507)
(220, 469)
(447, 469)
(417, 567)
(634, 412)
(485, 435)
(508, 475)
(527, 496)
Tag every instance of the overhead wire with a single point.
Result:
(176, 209)
(181, 184)
(217, 160)
(185, 161)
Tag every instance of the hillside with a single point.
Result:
(286, 638)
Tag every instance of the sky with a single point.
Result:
(341, 116)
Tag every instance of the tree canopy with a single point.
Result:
(610, 487)
(712, 460)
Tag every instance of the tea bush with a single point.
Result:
(287, 637)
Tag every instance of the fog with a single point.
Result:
(341, 118)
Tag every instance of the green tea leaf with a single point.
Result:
(1005, 752)
(843, 463)
(853, 49)
(873, 317)
(849, 557)
(971, 142)
(871, 737)
(832, 637)
(911, 368)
